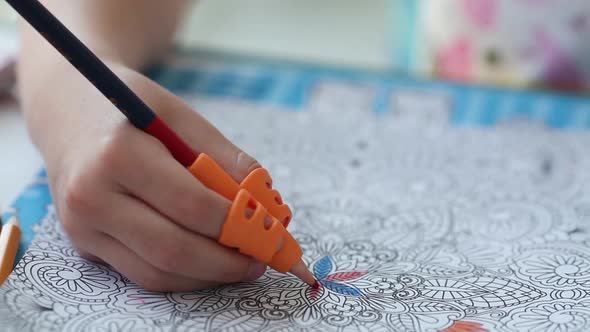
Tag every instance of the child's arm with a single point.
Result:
(120, 195)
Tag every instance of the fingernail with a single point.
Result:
(256, 270)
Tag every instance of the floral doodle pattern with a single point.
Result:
(332, 281)
(407, 228)
(563, 316)
(564, 270)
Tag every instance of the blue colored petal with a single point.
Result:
(341, 288)
(322, 267)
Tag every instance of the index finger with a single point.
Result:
(171, 189)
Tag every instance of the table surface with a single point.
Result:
(20, 160)
(298, 31)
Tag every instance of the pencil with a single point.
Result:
(9, 241)
(89, 65)
(119, 94)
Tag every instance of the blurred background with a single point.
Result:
(514, 43)
(349, 33)
(524, 44)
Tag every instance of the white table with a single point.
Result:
(20, 160)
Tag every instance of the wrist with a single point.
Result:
(62, 108)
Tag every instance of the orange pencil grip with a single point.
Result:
(248, 233)
(258, 183)
(252, 238)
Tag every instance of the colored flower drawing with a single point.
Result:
(465, 326)
(334, 282)
(429, 230)
(363, 285)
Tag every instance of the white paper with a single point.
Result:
(410, 226)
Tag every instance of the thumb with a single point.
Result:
(199, 133)
(237, 163)
(202, 136)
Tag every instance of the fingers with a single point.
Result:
(136, 269)
(204, 137)
(172, 248)
(101, 248)
(169, 188)
(199, 133)
(237, 163)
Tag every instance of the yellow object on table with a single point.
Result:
(9, 241)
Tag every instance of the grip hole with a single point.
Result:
(268, 222)
(248, 213)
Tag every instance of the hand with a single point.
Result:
(123, 199)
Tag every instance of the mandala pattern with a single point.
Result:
(552, 316)
(408, 226)
(562, 269)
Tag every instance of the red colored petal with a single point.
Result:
(344, 276)
(465, 326)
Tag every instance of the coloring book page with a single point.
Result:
(410, 224)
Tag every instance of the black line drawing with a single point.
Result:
(429, 229)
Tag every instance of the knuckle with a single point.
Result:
(245, 163)
(110, 153)
(76, 197)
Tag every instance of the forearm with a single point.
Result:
(130, 33)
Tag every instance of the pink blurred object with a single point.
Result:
(482, 13)
(516, 43)
(455, 61)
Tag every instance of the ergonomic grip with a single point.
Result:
(258, 183)
(248, 233)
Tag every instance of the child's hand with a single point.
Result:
(123, 199)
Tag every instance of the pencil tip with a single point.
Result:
(316, 285)
(301, 271)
